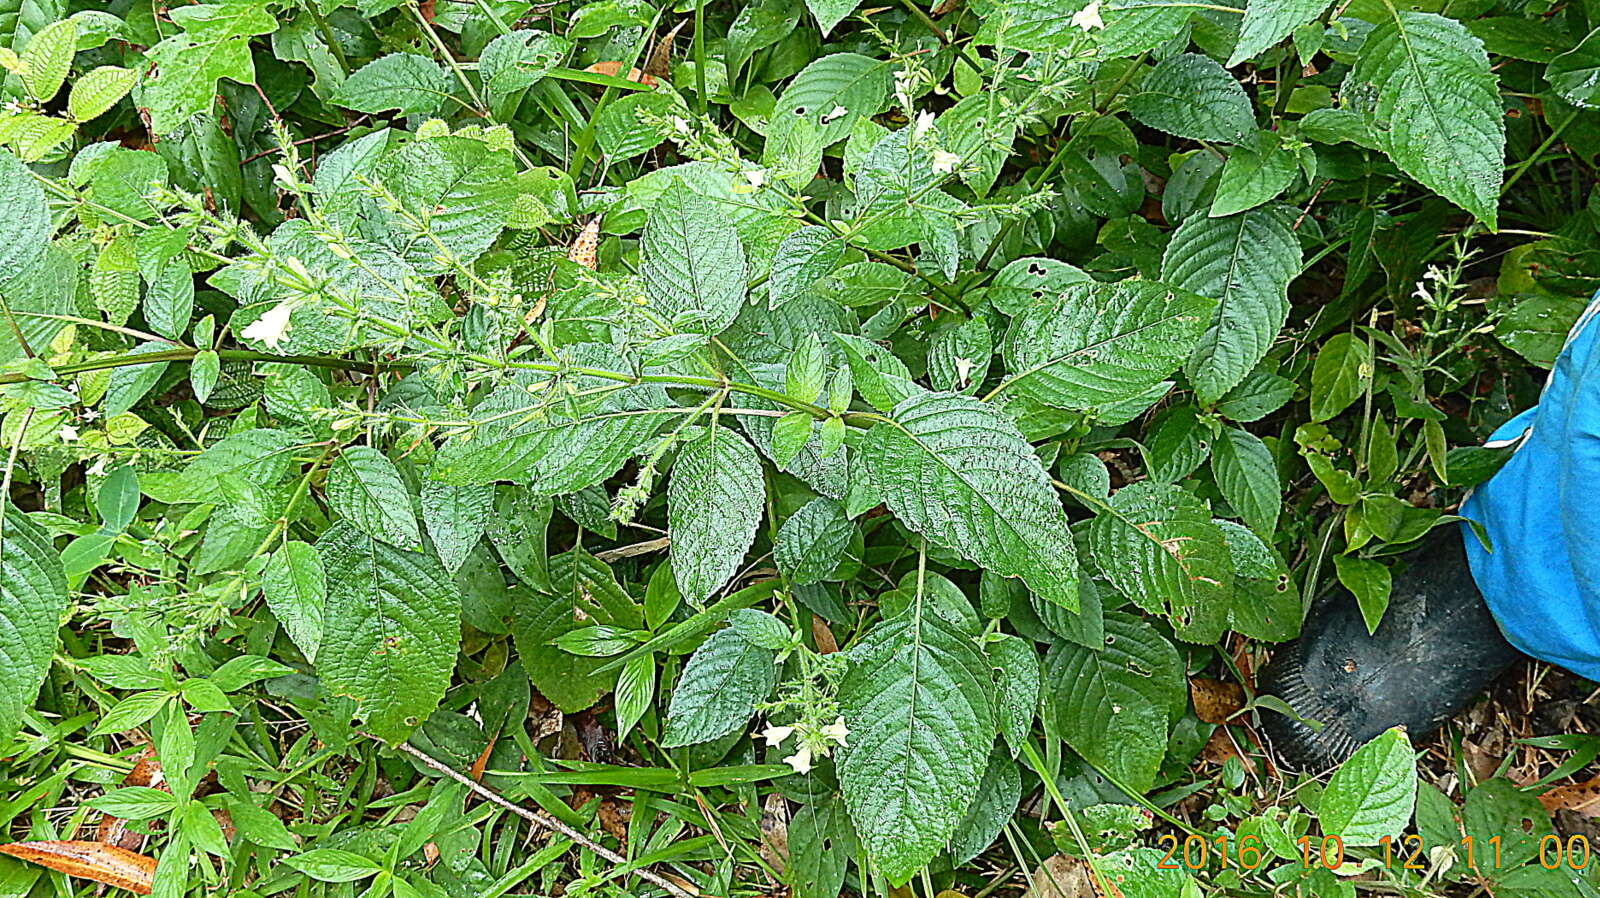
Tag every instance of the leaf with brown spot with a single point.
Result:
(585, 246)
(1582, 798)
(1214, 700)
(102, 863)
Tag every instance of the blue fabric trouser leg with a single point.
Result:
(1541, 511)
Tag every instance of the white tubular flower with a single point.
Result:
(837, 732)
(800, 760)
(1089, 17)
(269, 328)
(945, 162)
(776, 735)
(69, 434)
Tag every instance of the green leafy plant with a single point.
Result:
(856, 422)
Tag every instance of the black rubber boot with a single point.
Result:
(1437, 648)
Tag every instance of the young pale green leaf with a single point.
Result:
(1193, 97)
(721, 685)
(1373, 794)
(692, 262)
(918, 700)
(1438, 112)
(1157, 544)
(118, 499)
(97, 90)
(214, 44)
(415, 85)
(1247, 474)
(47, 58)
(456, 517)
(365, 489)
(130, 384)
(398, 620)
(1114, 705)
(204, 370)
(812, 541)
(1245, 262)
(958, 471)
(714, 505)
(1096, 344)
(1018, 681)
(1340, 375)
(636, 689)
(33, 597)
(881, 378)
(1266, 22)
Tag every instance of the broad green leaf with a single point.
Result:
(1437, 110)
(998, 794)
(519, 60)
(33, 598)
(27, 233)
(812, 542)
(1245, 262)
(1095, 344)
(48, 57)
(1575, 74)
(692, 262)
(1247, 474)
(130, 383)
(957, 471)
(461, 188)
(295, 585)
(49, 288)
(831, 12)
(714, 505)
(1018, 681)
(561, 447)
(397, 617)
(1340, 375)
(1038, 26)
(881, 378)
(1192, 96)
(1255, 173)
(918, 700)
(1266, 22)
(804, 258)
(1114, 705)
(261, 455)
(1372, 794)
(1157, 544)
(584, 593)
(365, 489)
(1370, 582)
(1025, 282)
(827, 97)
(1136, 26)
(721, 685)
(415, 85)
(456, 517)
(214, 44)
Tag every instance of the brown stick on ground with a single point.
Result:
(537, 817)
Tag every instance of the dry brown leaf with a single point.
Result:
(585, 247)
(102, 863)
(614, 816)
(775, 831)
(613, 68)
(1584, 798)
(1214, 700)
(660, 62)
(114, 830)
(1062, 877)
(826, 643)
(1219, 749)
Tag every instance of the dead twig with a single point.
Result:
(539, 818)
